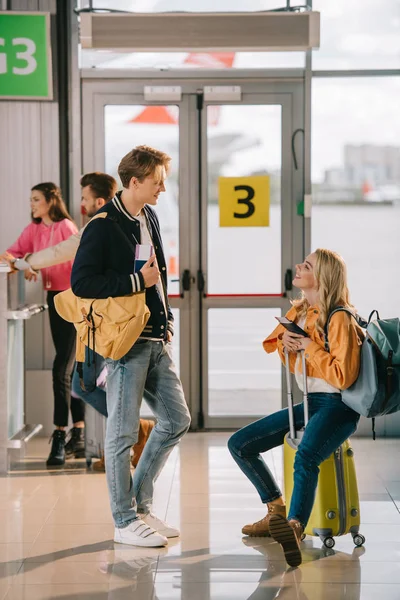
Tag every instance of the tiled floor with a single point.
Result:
(56, 534)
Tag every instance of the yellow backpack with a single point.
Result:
(108, 326)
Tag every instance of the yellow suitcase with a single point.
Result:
(336, 508)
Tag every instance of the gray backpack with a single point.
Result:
(376, 391)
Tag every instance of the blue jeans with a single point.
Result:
(148, 371)
(331, 423)
(98, 397)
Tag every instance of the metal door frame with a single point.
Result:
(283, 87)
(95, 98)
(289, 96)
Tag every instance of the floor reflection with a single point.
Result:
(56, 534)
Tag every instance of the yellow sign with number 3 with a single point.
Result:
(244, 201)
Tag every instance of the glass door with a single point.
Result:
(248, 241)
(114, 123)
(229, 223)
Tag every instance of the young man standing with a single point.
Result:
(103, 267)
(97, 190)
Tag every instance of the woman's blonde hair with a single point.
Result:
(330, 274)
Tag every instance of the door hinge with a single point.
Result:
(222, 93)
(163, 93)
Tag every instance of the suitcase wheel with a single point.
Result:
(358, 539)
(329, 542)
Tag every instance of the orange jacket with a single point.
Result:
(340, 366)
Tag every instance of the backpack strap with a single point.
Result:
(372, 314)
(91, 330)
(359, 320)
(102, 215)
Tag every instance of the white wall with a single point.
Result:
(29, 154)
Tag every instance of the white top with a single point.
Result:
(145, 238)
(314, 384)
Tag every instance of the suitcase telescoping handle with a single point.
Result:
(292, 425)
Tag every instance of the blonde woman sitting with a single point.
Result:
(323, 284)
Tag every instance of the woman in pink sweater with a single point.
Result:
(51, 224)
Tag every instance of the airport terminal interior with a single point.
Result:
(282, 124)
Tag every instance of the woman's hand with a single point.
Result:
(295, 342)
(8, 258)
(304, 342)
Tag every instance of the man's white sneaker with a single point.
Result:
(161, 526)
(139, 533)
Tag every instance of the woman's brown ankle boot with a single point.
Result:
(288, 535)
(261, 528)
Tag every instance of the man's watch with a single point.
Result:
(20, 264)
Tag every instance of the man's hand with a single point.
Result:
(295, 342)
(150, 272)
(30, 275)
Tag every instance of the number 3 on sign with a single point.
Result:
(244, 201)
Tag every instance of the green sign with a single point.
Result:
(25, 56)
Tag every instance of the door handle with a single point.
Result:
(201, 284)
(288, 280)
(186, 282)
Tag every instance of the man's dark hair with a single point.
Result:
(101, 185)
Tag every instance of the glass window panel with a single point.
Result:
(108, 59)
(128, 126)
(356, 184)
(358, 35)
(243, 378)
(242, 141)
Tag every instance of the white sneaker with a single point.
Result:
(139, 533)
(161, 526)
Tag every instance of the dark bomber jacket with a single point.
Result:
(104, 263)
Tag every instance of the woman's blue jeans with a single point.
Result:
(331, 423)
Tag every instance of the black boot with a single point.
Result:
(76, 444)
(57, 453)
